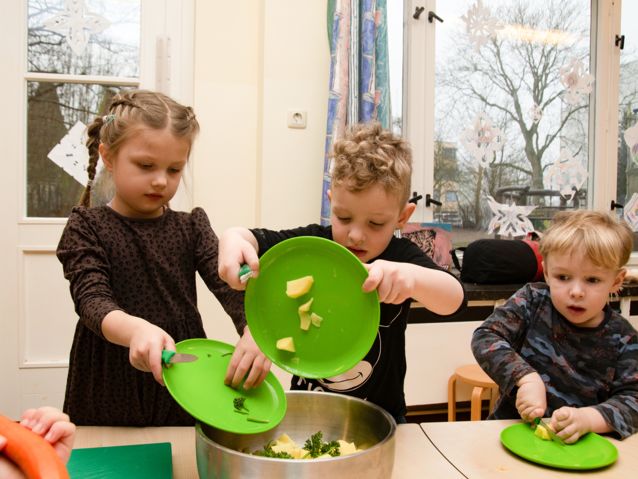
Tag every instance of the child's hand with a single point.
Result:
(247, 356)
(531, 398)
(54, 426)
(48, 422)
(571, 423)
(237, 246)
(145, 348)
(392, 280)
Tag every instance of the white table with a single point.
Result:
(475, 450)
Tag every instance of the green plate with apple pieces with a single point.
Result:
(198, 387)
(590, 452)
(350, 316)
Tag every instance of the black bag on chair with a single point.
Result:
(499, 261)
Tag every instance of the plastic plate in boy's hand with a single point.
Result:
(198, 387)
(348, 318)
(589, 452)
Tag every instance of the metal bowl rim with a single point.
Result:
(390, 436)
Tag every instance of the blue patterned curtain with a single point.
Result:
(359, 75)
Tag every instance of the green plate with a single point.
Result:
(350, 316)
(199, 388)
(589, 452)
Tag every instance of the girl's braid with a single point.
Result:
(92, 144)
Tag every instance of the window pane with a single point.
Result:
(627, 176)
(91, 38)
(511, 113)
(54, 169)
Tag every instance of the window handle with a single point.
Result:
(615, 205)
(417, 12)
(620, 41)
(431, 201)
(415, 198)
(433, 16)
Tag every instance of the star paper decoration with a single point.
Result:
(567, 174)
(78, 24)
(630, 212)
(71, 153)
(631, 138)
(480, 25)
(509, 220)
(482, 140)
(576, 81)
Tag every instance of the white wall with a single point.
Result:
(255, 60)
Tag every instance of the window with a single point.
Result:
(627, 172)
(503, 101)
(79, 54)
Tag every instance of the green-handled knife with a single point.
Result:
(170, 357)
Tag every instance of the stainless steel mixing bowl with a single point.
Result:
(336, 415)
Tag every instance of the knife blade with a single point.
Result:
(554, 437)
(170, 357)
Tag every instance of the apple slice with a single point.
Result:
(299, 287)
(304, 320)
(286, 344)
(315, 319)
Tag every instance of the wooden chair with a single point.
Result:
(473, 375)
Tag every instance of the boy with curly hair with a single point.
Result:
(370, 188)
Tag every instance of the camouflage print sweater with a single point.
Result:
(580, 366)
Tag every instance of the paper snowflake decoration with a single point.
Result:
(482, 140)
(576, 81)
(630, 212)
(78, 24)
(480, 25)
(71, 153)
(567, 175)
(536, 113)
(509, 220)
(631, 138)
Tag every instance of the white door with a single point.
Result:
(61, 60)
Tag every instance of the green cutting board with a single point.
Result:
(138, 461)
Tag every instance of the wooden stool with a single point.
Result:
(473, 375)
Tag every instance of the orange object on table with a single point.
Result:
(30, 452)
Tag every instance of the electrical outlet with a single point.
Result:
(297, 119)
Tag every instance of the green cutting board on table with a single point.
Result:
(138, 461)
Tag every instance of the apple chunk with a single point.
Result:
(286, 344)
(299, 287)
(541, 432)
(304, 320)
(315, 319)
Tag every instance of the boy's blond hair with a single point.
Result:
(368, 155)
(604, 239)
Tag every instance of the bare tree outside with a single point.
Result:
(54, 106)
(517, 68)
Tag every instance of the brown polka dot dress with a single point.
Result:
(147, 268)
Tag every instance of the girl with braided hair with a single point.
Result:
(132, 267)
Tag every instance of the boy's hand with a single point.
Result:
(531, 398)
(247, 356)
(572, 423)
(145, 348)
(237, 246)
(392, 281)
(54, 426)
